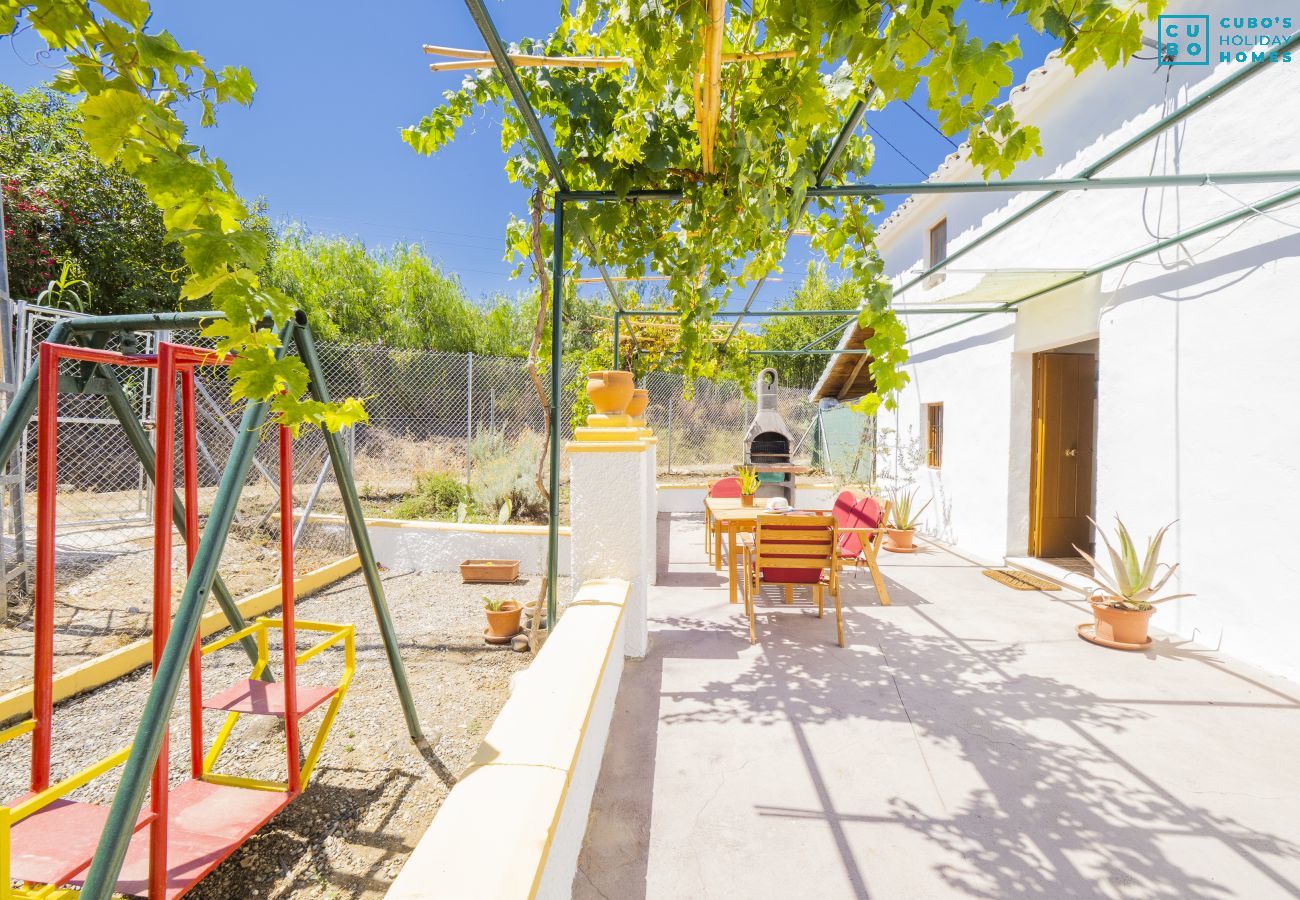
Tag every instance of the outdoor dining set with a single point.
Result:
(772, 544)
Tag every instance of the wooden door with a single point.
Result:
(1060, 494)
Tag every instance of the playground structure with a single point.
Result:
(57, 847)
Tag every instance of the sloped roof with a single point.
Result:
(843, 378)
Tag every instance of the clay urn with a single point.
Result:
(640, 400)
(610, 391)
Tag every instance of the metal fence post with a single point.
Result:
(670, 434)
(10, 474)
(469, 415)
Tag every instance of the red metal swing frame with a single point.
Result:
(47, 841)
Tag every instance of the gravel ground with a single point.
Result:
(372, 794)
(103, 596)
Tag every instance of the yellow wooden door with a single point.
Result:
(1064, 391)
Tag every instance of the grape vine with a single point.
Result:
(633, 127)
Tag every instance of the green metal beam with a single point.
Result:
(127, 800)
(360, 534)
(1146, 134)
(557, 361)
(832, 157)
(1127, 182)
(23, 404)
(1049, 185)
(1227, 219)
(851, 314)
(153, 321)
(506, 69)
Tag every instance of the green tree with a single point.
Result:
(395, 295)
(134, 84)
(793, 332)
(94, 216)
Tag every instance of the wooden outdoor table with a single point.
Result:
(733, 519)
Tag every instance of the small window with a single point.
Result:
(937, 251)
(934, 435)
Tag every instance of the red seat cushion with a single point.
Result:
(791, 576)
(782, 575)
(725, 487)
(865, 513)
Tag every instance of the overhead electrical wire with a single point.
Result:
(890, 144)
(933, 127)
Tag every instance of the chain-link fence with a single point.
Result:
(465, 424)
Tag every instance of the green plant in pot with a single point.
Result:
(502, 617)
(904, 515)
(748, 484)
(1122, 602)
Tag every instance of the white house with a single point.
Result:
(1166, 387)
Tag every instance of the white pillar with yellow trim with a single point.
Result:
(611, 513)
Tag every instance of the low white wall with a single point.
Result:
(513, 825)
(405, 545)
(689, 498)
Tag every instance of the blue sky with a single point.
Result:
(336, 83)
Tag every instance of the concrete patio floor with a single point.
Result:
(965, 744)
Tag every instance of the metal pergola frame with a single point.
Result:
(1053, 187)
(621, 314)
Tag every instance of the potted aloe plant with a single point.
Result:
(748, 484)
(904, 515)
(1122, 603)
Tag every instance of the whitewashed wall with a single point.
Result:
(1199, 374)
(405, 545)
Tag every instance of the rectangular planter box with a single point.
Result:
(489, 571)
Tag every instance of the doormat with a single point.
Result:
(1021, 581)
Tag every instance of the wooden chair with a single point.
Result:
(861, 524)
(723, 487)
(790, 550)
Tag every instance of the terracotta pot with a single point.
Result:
(640, 400)
(901, 539)
(505, 621)
(489, 571)
(746, 499)
(1123, 626)
(610, 391)
(534, 608)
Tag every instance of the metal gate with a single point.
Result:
(101, 480)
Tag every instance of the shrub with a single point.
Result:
(436, 494)
(504, 470)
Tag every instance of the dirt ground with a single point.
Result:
(373, 794)
(103, 593)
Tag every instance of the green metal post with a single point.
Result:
(135, 434)
(23, 406)
(557, 361)
(360, 535)
(120, 825)
(618, 316)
